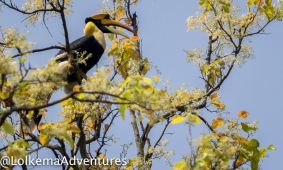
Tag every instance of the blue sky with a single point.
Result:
(255, 86)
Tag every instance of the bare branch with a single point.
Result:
(105, 133)
(39, 50)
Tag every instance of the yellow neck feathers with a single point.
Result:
(89, 29)
(92, 30)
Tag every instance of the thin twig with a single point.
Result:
(39, 50)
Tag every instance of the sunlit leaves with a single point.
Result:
(226, 149)
(74, 129)
(44, 139)
(126, 56)
(206, 4)
(14, 39)
(120, 12)
(240, 161)
(254, 143)
(269, 9)
(189, 117)
(271, 147)
(4, 96)
(182, 165)
(8, 128)
(242, 140)
(183, 97)
(226, 5)
(213, 72)
(249, 151)
(144, 66)
(44, 82)
(243, 114)
(255, 153)
(156, 79)
(194, 119)
(266, 7)
(132, 163)
(250, 3)
(142, 91)
(217, 123)
(195, 56)
(49, 131)
(208, 153)
(122, 110)
(214, 96)
(178, 119)
(60, 130)
(100, 81)
(247, 127)
(218, 104)
(226, 23)
(41, 5)
(131, 91)
(7, 65)
(77, 88)
(215, 100)
(18, 149)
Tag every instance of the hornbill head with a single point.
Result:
(103, 22)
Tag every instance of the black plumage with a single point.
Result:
(90, 48)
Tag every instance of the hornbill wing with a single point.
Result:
(75, 45)
(87, 46)
(62, 58)
(80, 45)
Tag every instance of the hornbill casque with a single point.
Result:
(92, 45)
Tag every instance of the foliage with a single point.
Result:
(125, 88)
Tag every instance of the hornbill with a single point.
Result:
(92, 45)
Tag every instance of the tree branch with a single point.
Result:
(39, 50)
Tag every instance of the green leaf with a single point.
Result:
(211, 79)
(255, 160)
(226, 7)
(271, 147)
(182, 165)
(178, 119)
(205, 4)
(44, 138)
(254, 164)
(247, 128)
(194, 119)
(8, 128)
(69, 139)
(269, 11)
(204, 69)
(122, 110)
(262, 152)
(147, 80)
(250, 3)
(4, 96)
(120, 12)
(21, 143)
(254, 143)
(80, 96)
(23, 59)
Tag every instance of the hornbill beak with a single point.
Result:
(109, 22)
(104, 23)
